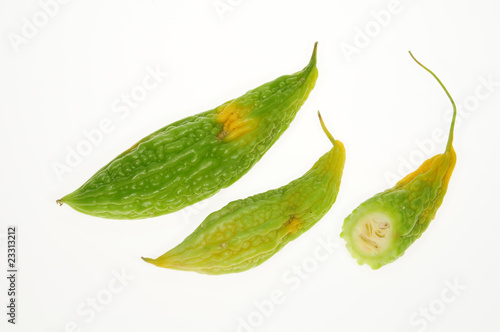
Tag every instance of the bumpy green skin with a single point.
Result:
(192, 159)
(411, 204)
(247, 232)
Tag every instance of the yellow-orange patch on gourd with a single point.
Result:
(234, 122)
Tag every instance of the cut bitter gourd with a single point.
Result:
(380, 230)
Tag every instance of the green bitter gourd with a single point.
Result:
(192, 159)
(247, 232)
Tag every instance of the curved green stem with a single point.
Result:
(452, 127)
(330, 137)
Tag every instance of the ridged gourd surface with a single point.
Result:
(194, 158)
(247, 232)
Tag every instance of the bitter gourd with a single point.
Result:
(192, 159)
(247, 232)
(380, 230)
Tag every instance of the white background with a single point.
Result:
(65, 76)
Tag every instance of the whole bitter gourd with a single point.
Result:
(247, 232)
(380, 230)
(192, 159)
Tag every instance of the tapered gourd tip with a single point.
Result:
(66, 199)
(312, 62)
(148, 260)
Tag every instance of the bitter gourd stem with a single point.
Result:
(330, 137)
(452, 127)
